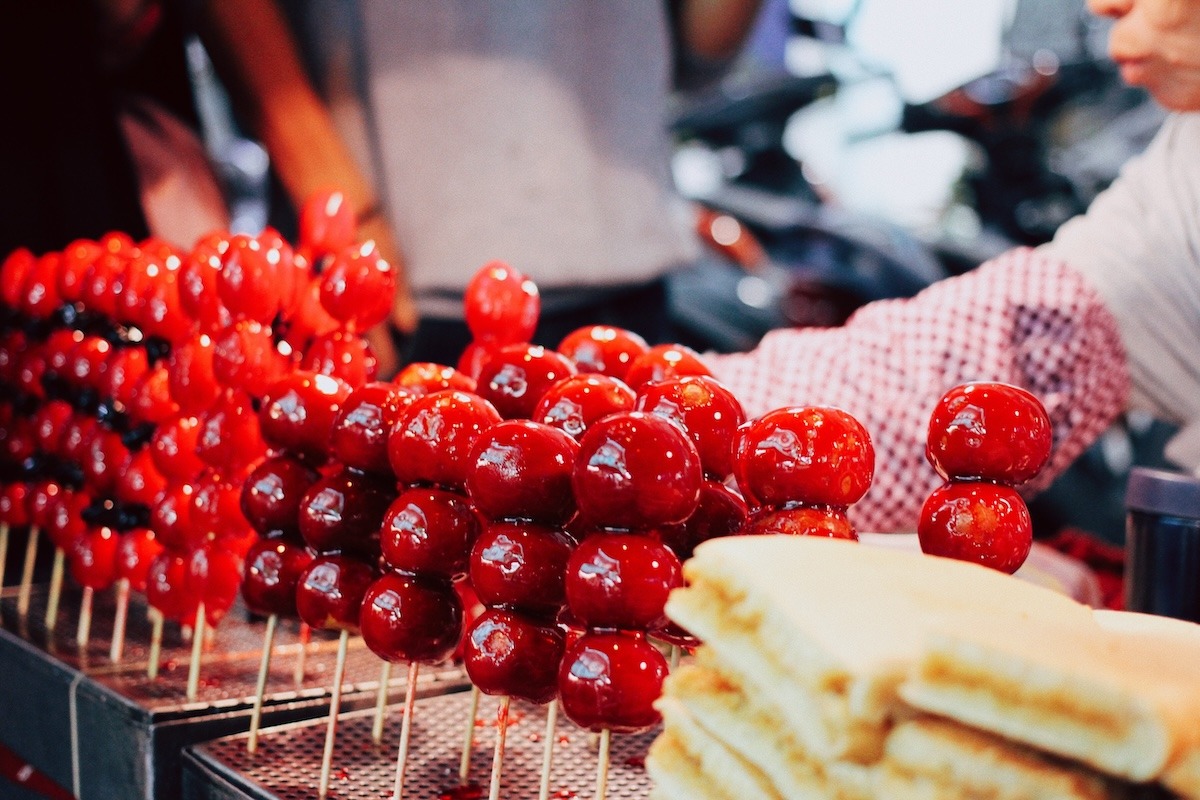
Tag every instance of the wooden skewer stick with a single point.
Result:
(84, 631)
(156, 636)
(302, 653)
(410, 700)
(260, 689)
(498, 754)
(117, 648)
(548, 749)
(602, 764)
(56, 584)
(335, 707)
(26, 589)
(381, 698)
(193, 682)
(464, 766)
(676, 652)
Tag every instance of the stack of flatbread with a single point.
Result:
(834, 670)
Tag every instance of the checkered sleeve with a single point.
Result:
(1021, 318)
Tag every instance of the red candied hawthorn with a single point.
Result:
(327, 222)
(357, 289)
(341, 354)
(522, 470)
(516, 376)
(429, 532)
(359, 438)
(610, 681)
(249, 281)
(522, 566)
(989, 431)
(508, 654)
(665, 361)
(603, 349)
(575, 402)
(706, 409)
(425, 377)
(975, 521)
(299, 411)
(330, 592)
(413, 619)
(272, 573)
(501, 305)
(431, 443)
(621, 581)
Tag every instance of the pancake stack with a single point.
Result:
(831, 670)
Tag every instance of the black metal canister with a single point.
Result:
(1162, 544)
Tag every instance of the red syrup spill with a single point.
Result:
(636, 762)
(564, 739)
(565, 794)
(343, 775)
(470, 791)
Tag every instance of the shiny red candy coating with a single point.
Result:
(76, 258)
(50, 425)
(610, 681)
(77, 437)
(428, 377)
(621, 581)
(330, 592)
(575, 402)
(136, 550)
(14, 271)
(140, 482)
(980, 522)
(215, 505)
(230, 439)
(343, 512)
(161, 315)
(603, 349)
(272, 493)
(165, 586)
(171, 519)
(507, 654)
(720, 512)
(359, 438)
(173, 448)
(474, 356)
(636, 470)
(813, 455)
(192, 382)
(327, 222)
(198, 296)
(522, 470)
(66, 525)
(405, 618)
(41, 501)
(93, 559)
(299, 410)
(308, 319)
(105, 456)
(502, 305)
(517, 375)
(272, 572)
(706, 409)
(245, 357)
(357, 289)
(248, 283)
(152, 401)
(87, 363)
(989, 431)
(664, 361)
(522, 566)
(429, 532)
(97, 293)
(40, 297)
(431, 443)
(214, 577)
(127, 367)
(831, 523)
(14, 505)
(341, 354)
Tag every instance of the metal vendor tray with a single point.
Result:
(287, 763)
(105, 730)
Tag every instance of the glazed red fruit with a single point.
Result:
(610, 681)
(161, 315)
(272, 493)
(341, 354)
(216, 504)
(706, 409)
(617, 580)
(517, 375)
(810, 454)
(473, 359)
(665, 361)
(249, 284)
(521, 565)
(152, 401)
(245, 357)
(831, 523)
(140, 482)
(603, 349)
(522, 470)
(299, 410)
(358, 287)
(720, 512)
(66, 525)
(40, 292)
(975, 521)
(97, 293)
(171, 519)
(198, 297)
(989, 431)
(575, 402)
(326, 222)
(405, 618)
(126, 368)
(14, 271)
(165, 589)
(359, 438)
(330, 592)
(429, 532)
(191, 380)
(427, 377)
(431, 443)
(104, 458)
(344, 512)
(76, 258)
(507, 654)
(41, 501)
(501, 304)
(272, 572)
(307, 319)
(230, 439)
(173, 449)
(135, 552)
(50, 424)
(636, 470)
(87, 363)
(214, 578)
(93, 560)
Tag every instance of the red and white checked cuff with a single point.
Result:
(1021, 318)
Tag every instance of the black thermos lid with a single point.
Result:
(1157, 491)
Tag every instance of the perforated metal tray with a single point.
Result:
(287, 763)
(106, 730)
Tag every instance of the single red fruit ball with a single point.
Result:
(610, 681)
(621, 581)
(357, 289)
(94, 558)
(360, 433)
(249, 283)
(989, 431)
(429, 532)
(706, 409)
(665, 361)
(575, 402)
(603, 349)
(522, 470)
(521, 565)
(426, 377)
(811, 454)
(516, 376)
(974, 521)
(136, 550)
(405, 618)
(299, 410)
(344, 512)
(327, 222)
(505, 653)
(272, 574)
(431, 442)
(501, 305)
(831, 523)
(330, 592)
(272, 493)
